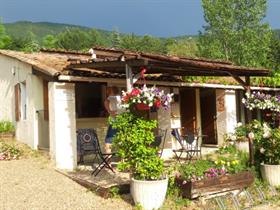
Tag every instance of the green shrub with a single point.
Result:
(6, 126)
(132, 142)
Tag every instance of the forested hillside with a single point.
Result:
(41, 29)
(29, 36)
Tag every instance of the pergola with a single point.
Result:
(116, 61)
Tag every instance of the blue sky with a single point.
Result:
(155, 17)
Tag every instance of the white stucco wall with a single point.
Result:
(12, 72)
(226, 113)
(62, 121)
(230, 104)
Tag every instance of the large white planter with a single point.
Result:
(149, 194)
(271, 174)
(242, 146)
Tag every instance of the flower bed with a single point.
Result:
(225, 170)
(9, 152)
(214, 185)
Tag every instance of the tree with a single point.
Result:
(49, 41)
(73, 39)
(275, 52)
(185, 47)
(131, 42)
(95, 38)
(31, 43)
(5, 40)
(151, 44)
(26, 43)
(145, 44)
(116, 39)
(235, 31)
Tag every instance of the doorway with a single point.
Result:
(43, 120)
(188, 109)
(208, 115)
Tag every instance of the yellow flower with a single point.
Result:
(216, 162)
(223, 162)
(228, 163)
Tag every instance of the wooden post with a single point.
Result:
(129, 79)
(249, 119)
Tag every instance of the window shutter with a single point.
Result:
(17, 102)
(46, 100)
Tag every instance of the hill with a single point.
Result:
(41, 29)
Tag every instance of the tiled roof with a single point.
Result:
(49, 63)
(60, 62)
(54, 63)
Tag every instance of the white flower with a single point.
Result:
(266, 134)
(239, 124)
(251, 135)
(262, 150)
(233, 137)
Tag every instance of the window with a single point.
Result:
(89, 100)
(20, 101)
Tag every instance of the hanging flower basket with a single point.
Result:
(146, 98)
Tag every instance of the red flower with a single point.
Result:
(135, 92)
(157, 103)
(125, 98)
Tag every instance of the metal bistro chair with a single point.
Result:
(189, 145)
(88, 143)
(159, 141)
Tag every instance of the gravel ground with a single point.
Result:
(32, 184)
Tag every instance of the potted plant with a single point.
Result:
(241, 134)
(267, 155)
(239, 137)
(132, 142)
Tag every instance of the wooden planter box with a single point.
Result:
(8, 135)
(215, 185)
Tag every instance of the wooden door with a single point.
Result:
(208, 115)
(188, 109)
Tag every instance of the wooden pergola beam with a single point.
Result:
(110, 64)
